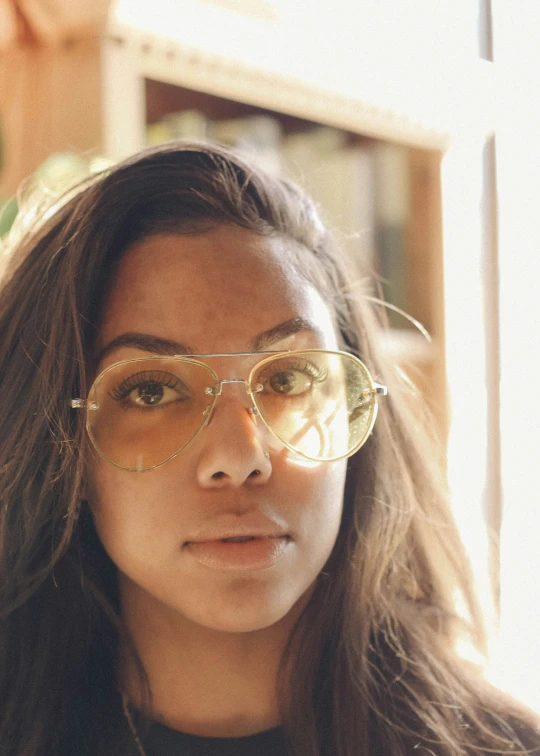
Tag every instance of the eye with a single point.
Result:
(151, 393)
(287, 378)
(149, 390)
(290, 382)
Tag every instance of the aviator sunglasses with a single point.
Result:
(142, 412)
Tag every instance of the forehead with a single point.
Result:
(214, 291)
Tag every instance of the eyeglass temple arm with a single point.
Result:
(81, 403)
(365, 402)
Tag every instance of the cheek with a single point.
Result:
(321, 492)
(127, 509)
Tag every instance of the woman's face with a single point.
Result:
(227, 290)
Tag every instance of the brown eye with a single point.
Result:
(290, 382)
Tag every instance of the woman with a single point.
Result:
(210, 543)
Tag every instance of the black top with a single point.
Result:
(164, 741)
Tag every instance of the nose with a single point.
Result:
(233, 450)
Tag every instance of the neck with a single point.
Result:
(203, 681)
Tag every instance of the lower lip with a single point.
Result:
(257, 554)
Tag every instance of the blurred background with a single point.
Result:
(414, 125)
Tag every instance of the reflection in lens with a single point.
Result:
(148, 409)
(332, 417)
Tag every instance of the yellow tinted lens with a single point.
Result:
(320, 404)
(147, 410)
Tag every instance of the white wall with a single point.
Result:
(517, 55)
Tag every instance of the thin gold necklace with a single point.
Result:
(131, 724)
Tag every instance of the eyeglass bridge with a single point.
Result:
(217, 390)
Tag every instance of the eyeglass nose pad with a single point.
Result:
(207, 414)
(254, 410)
(214, 392)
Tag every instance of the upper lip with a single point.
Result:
(255, 527)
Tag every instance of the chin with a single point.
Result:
(241, 623)
(240, 616)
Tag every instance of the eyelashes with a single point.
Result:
(153, 381)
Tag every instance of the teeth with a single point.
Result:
(238, 539)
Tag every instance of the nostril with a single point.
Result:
(254, 473)
(219, 474)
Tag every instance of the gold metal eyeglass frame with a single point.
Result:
(371, 393)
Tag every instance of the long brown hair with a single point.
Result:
(373, 659)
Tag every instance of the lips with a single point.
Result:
(232, 530)
(236, 538)
(240, 552)
(252, 541)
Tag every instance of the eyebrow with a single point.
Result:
(157, 345)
